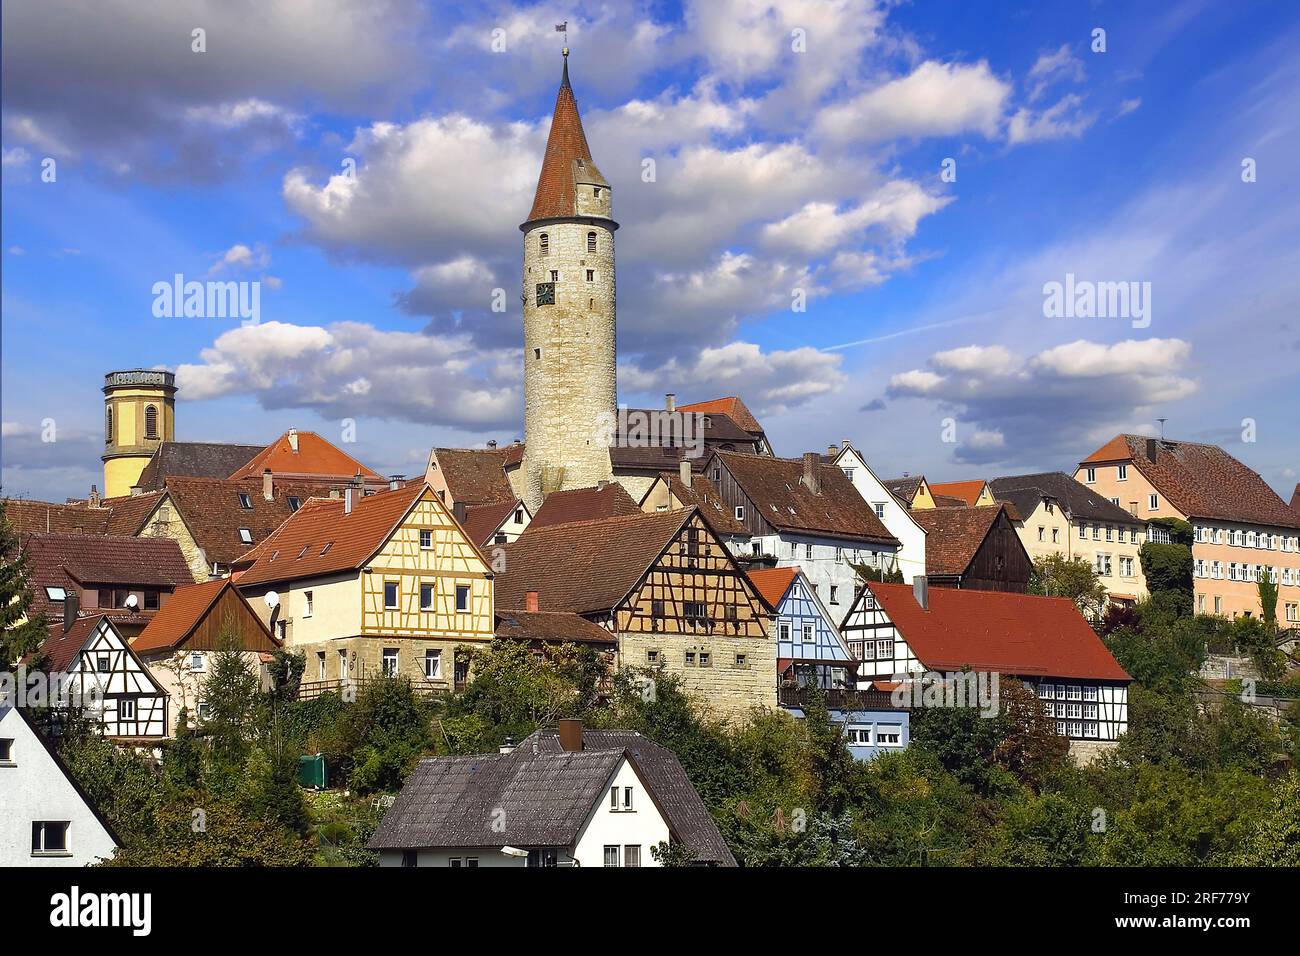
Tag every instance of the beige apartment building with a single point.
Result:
(1058, 515)
(1242, 528)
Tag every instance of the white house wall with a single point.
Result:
(896, 517)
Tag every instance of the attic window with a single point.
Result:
(274, 554)
(303, 552)
(326, 550)
(294, 502)
(245, 501)
(56, 593)
(246, 535)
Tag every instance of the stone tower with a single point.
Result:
(570, 391)
(139, 415)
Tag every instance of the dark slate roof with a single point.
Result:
(194, 459)
(533, 799)
(1025, 492)
(904, 488)
(584, 504)
(550, 626)
(664, 774)
(776, 489)
(1201, 481)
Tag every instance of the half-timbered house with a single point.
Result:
(899, 632)
(806, 513)
(199, 621)
(388, 583)
(684, 488)
(101, 671)
(808, 645)
(667, 588)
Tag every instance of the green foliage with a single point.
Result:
(1168, 569)
(1058, 576)
(672, 854)
(19, 634)
(222, 833)
(1273, 839)
(378, 740)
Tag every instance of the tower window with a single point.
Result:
(555, 275)
(537, 353)
(591, 237)
(591, 275)
(151, 421)
(544, 244)
(595, 191)
(108, 424)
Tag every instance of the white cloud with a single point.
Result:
(240, 256)
(1054, 67)
(1064, 118)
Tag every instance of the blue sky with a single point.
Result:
(777, 170)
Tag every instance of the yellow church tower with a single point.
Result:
(139, 415)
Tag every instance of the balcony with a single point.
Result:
(839, 699)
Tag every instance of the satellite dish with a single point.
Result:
(132, 601)
(272, 600)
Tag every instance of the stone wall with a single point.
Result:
(724, 688)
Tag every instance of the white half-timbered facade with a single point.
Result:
(896, 630)
(106, 676)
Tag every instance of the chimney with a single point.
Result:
(845, 443)
(1153, 449)
(458, 511)
(136, 491)
(811, 479)
(832, 450)
(395, 482)
(670, 401)
(509, 746)
(359, 482)
(94, 496)
(71, 608)
(921, 591)
(570, 735)
(293, 439)
(684, 472)
(530, 601)
(348, 500)
(492, 443)
(268, 484)
(600, 485)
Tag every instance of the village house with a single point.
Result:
(99, 667)
(387, 583)
(48, 819)
(893, 513)
(1242, 529)
(494, 523)
(806, 513)
(607, 500)
(901, 631)
(179, 644)
(684, 488)
(1058, 515)
(912, 490)
(667, 588)
(570, 797)
(129, 579)
(808, 645)
(974, 548)
(973, 494)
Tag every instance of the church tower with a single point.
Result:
(139, 415)
(570, 392)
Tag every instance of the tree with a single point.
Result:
(232, 693)
(1266, 585)
(20, 634)
(1168, 567)
(1055, 575)
(667, 853)
(1274, 839)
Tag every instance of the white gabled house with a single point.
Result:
(893, 514)
(47, 819)
(99, 668)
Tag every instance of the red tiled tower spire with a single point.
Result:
(565, 146)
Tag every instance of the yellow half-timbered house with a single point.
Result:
(387, 583)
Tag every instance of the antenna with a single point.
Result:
(1162, 427)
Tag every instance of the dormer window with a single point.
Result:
(544, 244)
(294, 502)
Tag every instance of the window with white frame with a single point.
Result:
(50, 837)
(889, 735)
(879, 506)
(1090, 475)
(858, 735)
(783, 630)
(433, 664)
(807, 632)
(126, 708)
(462, 597)
(390, 661)
(426, 539)
(1122, 473)
(611, 855)
(426, 597)
(6, 752)
(390, 595)
(307, 604)
(1153, 502)
(1089, 692)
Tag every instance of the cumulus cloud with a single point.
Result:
(1007, 405)
(351, 370)
(240, 256)
(1065, 118)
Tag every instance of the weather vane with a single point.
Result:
(564, 28)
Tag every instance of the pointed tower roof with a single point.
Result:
(567, 160)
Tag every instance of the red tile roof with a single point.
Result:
(315, 457)
(26, 516)
(62, 647)
(954, 535)
(482, 521)
(703, 495)
(1013, 634)
(321, 539)
(552, 626)
(967, 492)
(1201, 481)
(772, 583)
(1295, 500)
(731, 406)
(185, 610)
(475, 476)
(566, 147)
(583, 504)
(776, 489)
(586, 566)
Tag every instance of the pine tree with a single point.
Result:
(20, 634)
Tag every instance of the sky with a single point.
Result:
(849, 213)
